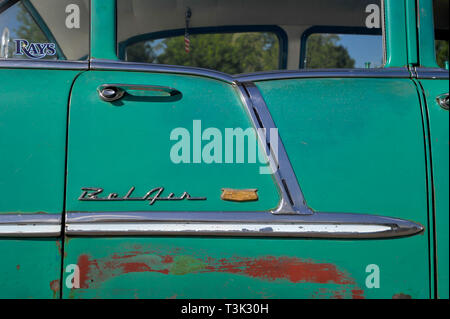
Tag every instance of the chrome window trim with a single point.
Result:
(292, 199)
(325, 73)
(30, 225)
(265, 224)
(43, 64)
(431, 73)
(97, 64)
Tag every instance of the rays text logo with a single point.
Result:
(34, 50)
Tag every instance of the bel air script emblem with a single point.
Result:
(91, 194)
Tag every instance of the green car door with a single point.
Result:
(124, 147)
(37, 70)
(334, 202)
(433, 86)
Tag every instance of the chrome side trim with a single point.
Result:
(292, 199)
(30, 225)
(431, 73)
(43, 64)
(318, 225)
(97, 64)
(324, 73)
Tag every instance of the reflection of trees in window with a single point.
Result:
(442, 55)
(231, 53)
(322, 51)
(27, 28)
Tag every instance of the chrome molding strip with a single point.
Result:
(318, 225)
(292, 199)
(324, 73)
(97, 64)
(30, 225)
(431, 73)
(43, 64)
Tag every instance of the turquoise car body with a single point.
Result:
(365, 147)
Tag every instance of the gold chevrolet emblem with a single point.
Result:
(239, 195)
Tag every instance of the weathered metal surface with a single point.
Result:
(438, 123)
(30, 268)
(33, 120)
(132, 146)
(356, 145)
(244, 268)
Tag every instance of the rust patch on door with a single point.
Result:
(55, 287)
(93, 272)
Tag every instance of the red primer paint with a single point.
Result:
(168, 259)
(54, 286)
(139, 267)
(358, 294)
(269, 268)
(292, 269)
(85, 265)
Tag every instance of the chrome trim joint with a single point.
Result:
(30, 225)
(98, 64)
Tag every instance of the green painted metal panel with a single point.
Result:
(427, 52)
(103, 29)
(119, 145)
(30, 268)
(137, 267)
(439, 136)
(395, 33)
(33, 114)
(356, 145)
(411, 31)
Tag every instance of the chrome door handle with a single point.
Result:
(443, 101)
(114, 92)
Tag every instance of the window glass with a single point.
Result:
(44, 29)
(330, 50)
(242, 36)
(226, 52)
(441, 23)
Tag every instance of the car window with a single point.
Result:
(337, 50)
(237, 52)
(442, 34)
(44, 29)
(231, 36)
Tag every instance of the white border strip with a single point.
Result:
(240, 229)
(30, 230)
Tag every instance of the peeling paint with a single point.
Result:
(93, 272)
(58, 245)
(401, 296)
(54, 286)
